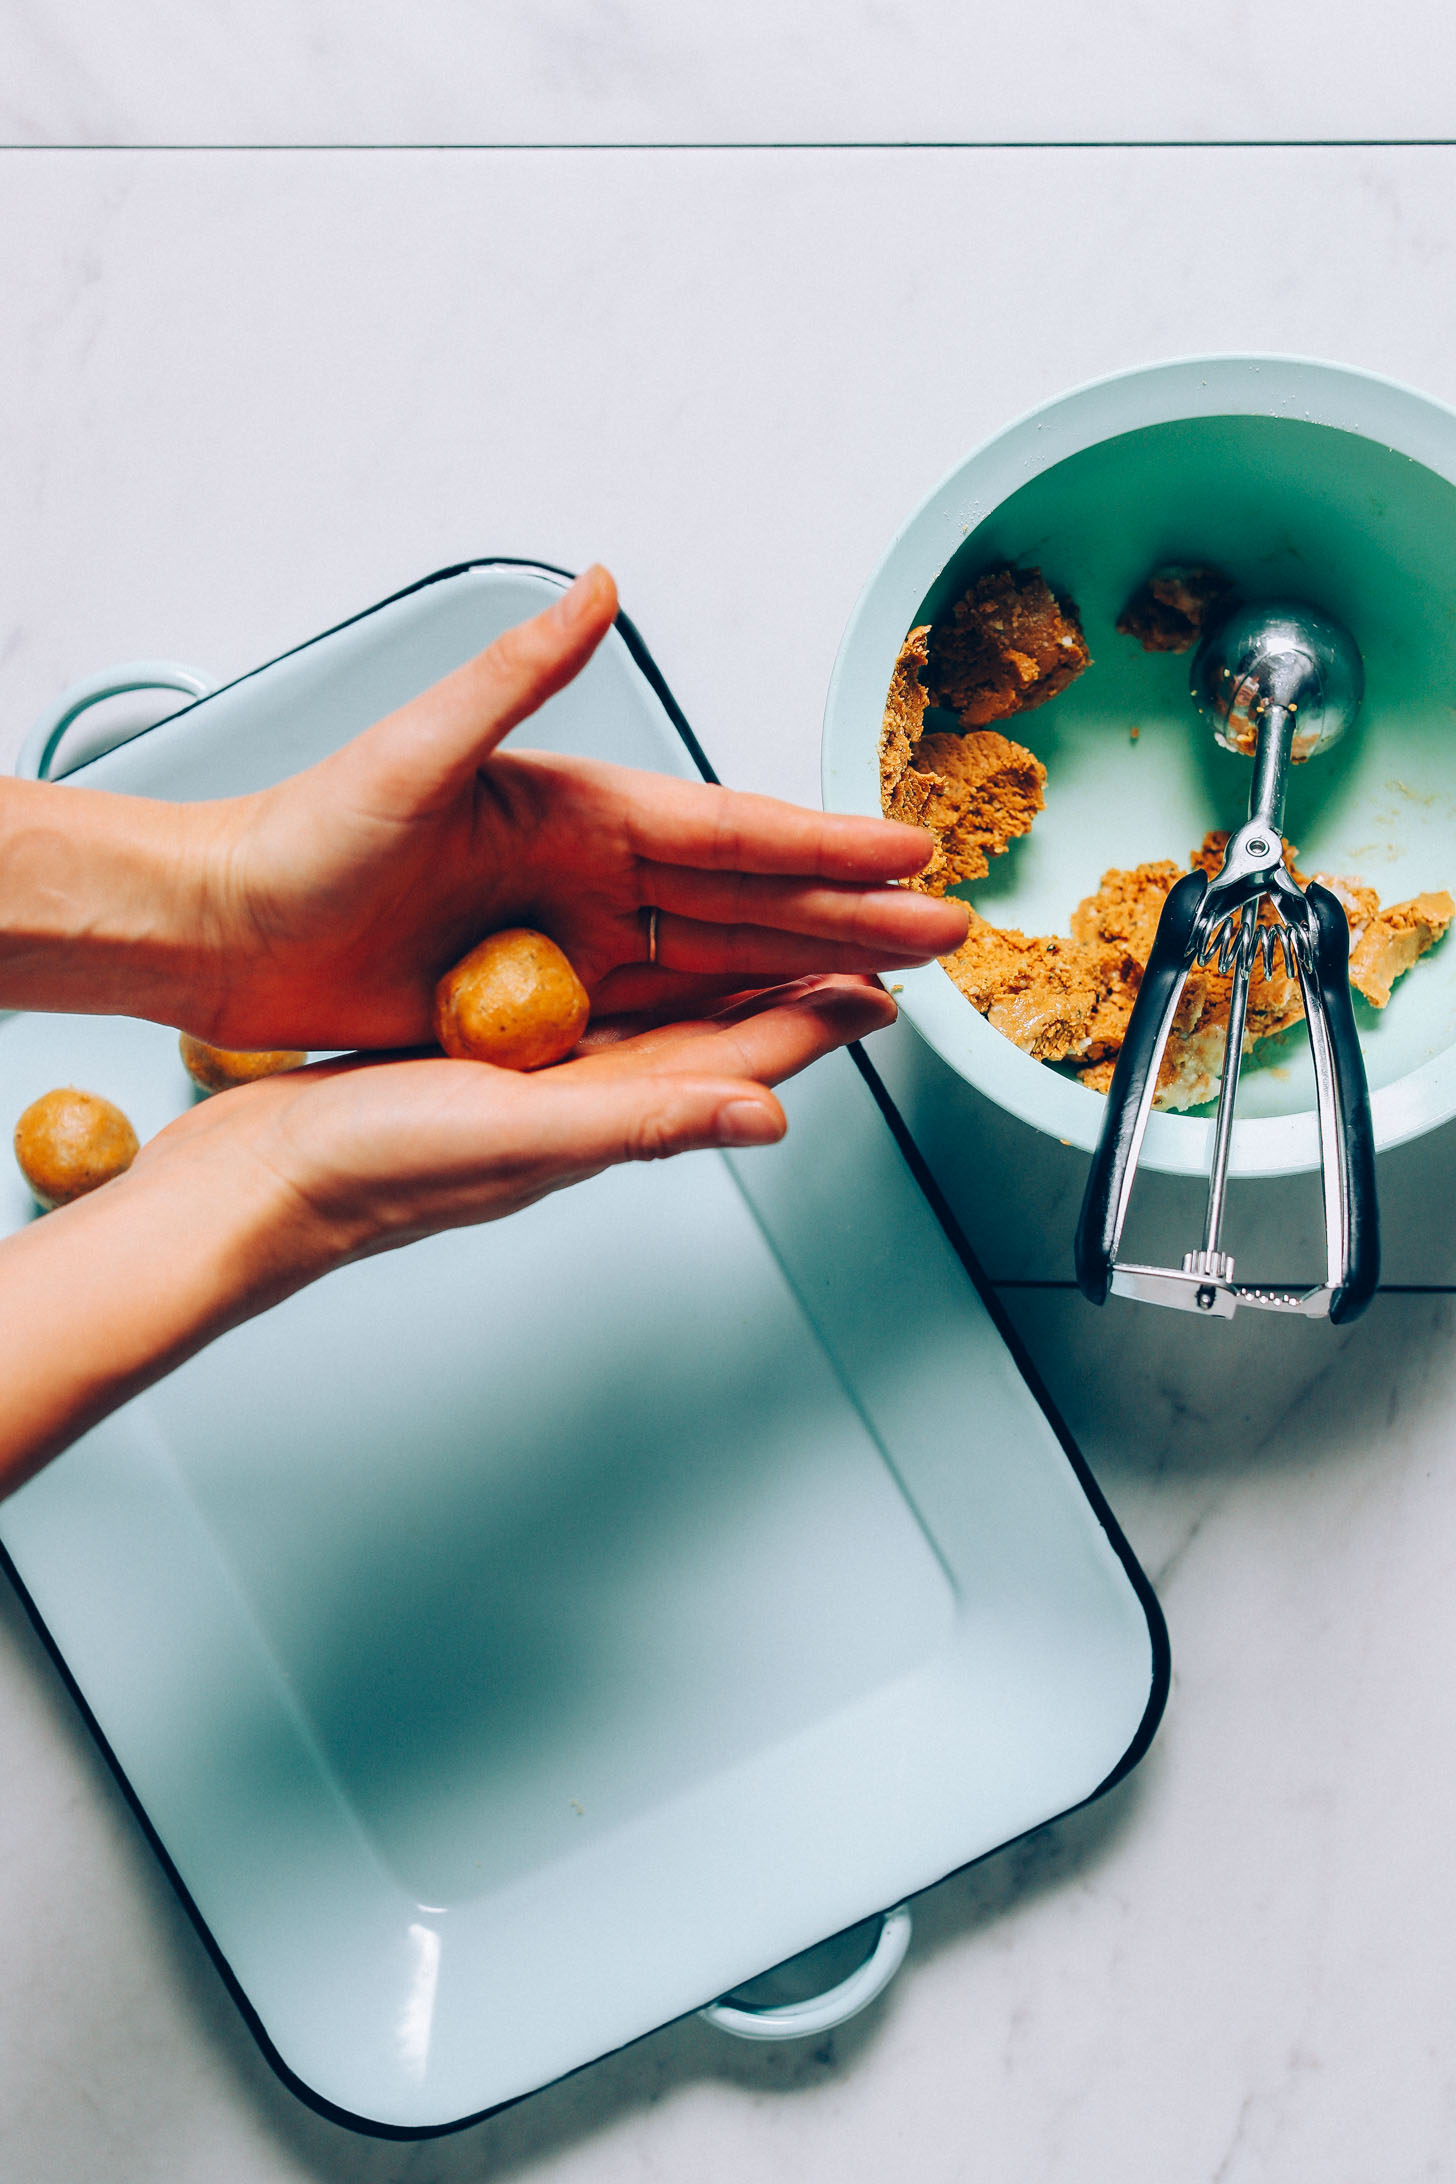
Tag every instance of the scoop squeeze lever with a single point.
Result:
(1280, 683)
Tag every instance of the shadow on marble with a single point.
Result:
(1176, 1415)
(1017, 1192)
(1152, 1392)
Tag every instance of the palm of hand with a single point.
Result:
(351, 912)
(346, 892)
(373, 1152)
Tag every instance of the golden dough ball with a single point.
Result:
(218, 1069)
(70, 1142)
(514, 1000)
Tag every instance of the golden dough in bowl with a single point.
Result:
(69, 1142)
(514, 1000)
(218, 1069)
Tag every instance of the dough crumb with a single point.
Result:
(1070, 1000)
(1126, 907)
(1007, 645)
(972, 793)
(903, 723)
(1168, 610)
(1041, 992)
(1385, 943)
(981, 791)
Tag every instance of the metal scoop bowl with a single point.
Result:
(1281, 683)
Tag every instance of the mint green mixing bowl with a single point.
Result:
(1300, 480)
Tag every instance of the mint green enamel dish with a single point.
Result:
(1300, 479)
(520, 1640)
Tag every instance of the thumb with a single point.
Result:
(431, 747)
(576, 1126)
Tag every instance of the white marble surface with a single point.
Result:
(244, 396)
(252, 395)
(651, 71)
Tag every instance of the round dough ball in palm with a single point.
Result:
(70, 1142)
(514, 1000)
(218, 1069)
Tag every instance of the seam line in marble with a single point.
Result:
(793, 144)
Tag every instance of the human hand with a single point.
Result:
(335, 900)
(251, 1195)
(368, 1153)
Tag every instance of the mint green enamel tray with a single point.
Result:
(520, 1640)
(1301, 480)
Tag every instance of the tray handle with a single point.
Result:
(38, 752)
(821, 2012)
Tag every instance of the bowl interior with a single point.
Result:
(1286, 508)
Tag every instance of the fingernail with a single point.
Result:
(572, 604)
(746, 1122)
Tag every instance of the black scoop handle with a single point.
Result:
(1096, 1244)
(1355, 1151)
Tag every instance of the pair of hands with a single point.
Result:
(321, 912)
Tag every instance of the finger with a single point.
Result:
(561, 1127)
(679, 999)
(884, 917)
(658, 1031)
(446, 1151)
(430, 746)
(734, 830)
(673, 998)
(401, 1148)
(670, 821)
(648, 989)
(763, 957)
(769, 1036)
